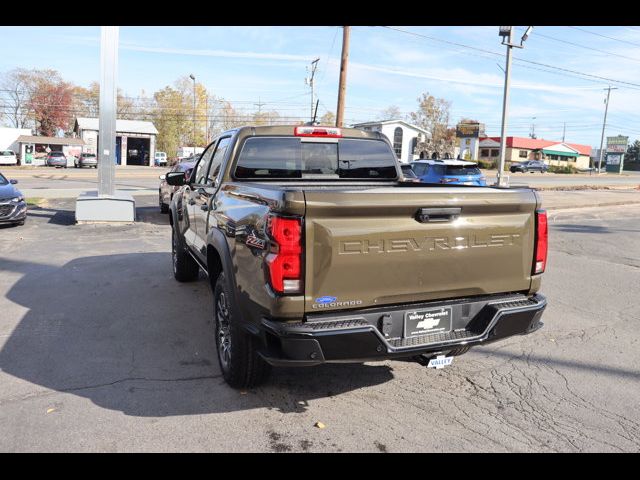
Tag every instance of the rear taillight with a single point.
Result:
(541, 239)
(329, 132)
(285, 259)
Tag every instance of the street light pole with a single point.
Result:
(505, 106)
(507, 32)
(192, 77)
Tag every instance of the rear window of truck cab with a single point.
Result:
(295, 158)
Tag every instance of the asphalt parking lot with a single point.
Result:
(101, 350)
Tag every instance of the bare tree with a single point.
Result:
(433, 116)
(328, 118)
(17, 85)
(392, 112)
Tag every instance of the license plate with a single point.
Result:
(426, 322)
(440, 362)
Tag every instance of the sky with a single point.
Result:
(387, 66)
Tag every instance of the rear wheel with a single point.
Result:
(164, 208)
(240, 363)
(185, 268)
(459, 351)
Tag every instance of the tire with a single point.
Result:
(459, 351)
(240, 363)
(185, 268)
(164, 208)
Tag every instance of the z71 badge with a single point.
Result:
(255, 242)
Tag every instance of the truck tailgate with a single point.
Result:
(367, 248)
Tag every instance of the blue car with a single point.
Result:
(458, 172)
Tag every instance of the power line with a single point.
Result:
(326, 63)
(515, 59)
(605, 36)
(586, 47)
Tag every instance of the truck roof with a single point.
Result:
(289, 130)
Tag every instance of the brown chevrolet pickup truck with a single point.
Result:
(317, 251)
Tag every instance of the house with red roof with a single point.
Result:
(520, 149)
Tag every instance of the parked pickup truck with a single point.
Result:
(317, 251)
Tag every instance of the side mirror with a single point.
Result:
(162, 177)
(175, 178)
(13, 182)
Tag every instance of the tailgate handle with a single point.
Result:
(425, 215)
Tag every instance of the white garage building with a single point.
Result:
(135, 139)
(403, 136)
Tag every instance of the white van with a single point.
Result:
(160, 159)
(8, 157)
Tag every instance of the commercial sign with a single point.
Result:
(617, 144)
(614, 159)
(469, 130)
(616, 148)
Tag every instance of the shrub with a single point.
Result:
(484, 164)
(563, 169)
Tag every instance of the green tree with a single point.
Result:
(633, 153)
(174, 116)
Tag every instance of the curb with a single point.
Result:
(603, 204)
(578, 188)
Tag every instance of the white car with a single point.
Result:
(8, 157)
(160, 158)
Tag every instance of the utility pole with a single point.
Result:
(604, 123)
(533, 128)
(206, 119)
(342, 89)
(309, 81)
(508, 33)
(564, 129)
(259, 105)
(192, 77)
